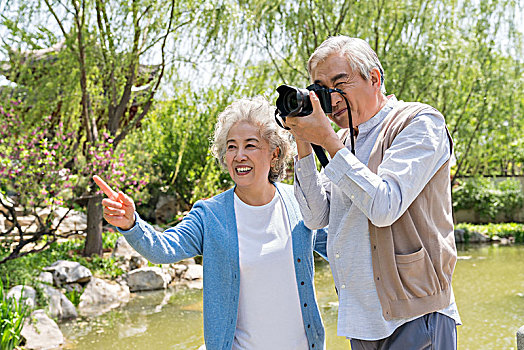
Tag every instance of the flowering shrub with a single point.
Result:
(43, 166)
(32, 162)
(102, 159)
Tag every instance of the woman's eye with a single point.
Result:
(231, 147)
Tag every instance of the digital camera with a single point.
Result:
(295, 102)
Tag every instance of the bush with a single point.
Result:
(504, 230)
(13, 315)
(489, 198)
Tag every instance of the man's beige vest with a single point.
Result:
(414, 258)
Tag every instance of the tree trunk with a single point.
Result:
(93, 243)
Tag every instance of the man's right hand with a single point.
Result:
(119, 208)
(315, 128)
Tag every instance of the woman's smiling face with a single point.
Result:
(248, 156)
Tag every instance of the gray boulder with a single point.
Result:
(132, 259)
(193, 272)
(123, 249)
(477, 237)
(41, 332)
(28, 295)
(147, 278)
(69, 272)
(459, 235)
(45, 277)
(166, 209)
(59, 306)
(101, 296)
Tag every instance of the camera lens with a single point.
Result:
(293, 101)
(290, 100)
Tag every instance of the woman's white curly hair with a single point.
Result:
(260, 113)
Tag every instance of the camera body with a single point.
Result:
(295, 102)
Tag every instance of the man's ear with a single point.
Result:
(375, 78)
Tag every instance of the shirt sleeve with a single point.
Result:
(176, 243)
(414, 157)
(312, 191)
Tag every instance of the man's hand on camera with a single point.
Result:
(315, 128)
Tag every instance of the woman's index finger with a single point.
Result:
(105, 187)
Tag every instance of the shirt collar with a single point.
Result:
(379, 117)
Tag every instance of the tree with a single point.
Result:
(100, 47)
(464, 58)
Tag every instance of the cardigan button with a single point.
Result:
(302, 283)
(305, 304)
(299, 260)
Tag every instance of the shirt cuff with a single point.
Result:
(342, 163)
(305, 167)
(133, 230)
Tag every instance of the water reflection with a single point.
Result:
(488, 284)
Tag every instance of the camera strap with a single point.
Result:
(319, 151)
(351, 130)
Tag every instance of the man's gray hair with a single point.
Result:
(359, 54)
(261, 114)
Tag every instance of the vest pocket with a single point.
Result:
(417, 274)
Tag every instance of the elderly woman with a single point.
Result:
(257, 253)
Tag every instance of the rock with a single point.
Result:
(124, 249)
(477, 237)
(195, 284)
(193, 272)
(132, 259)
(179, 269)
(459, 235)
(69, 272)
(137, 262)
(147, 278)
(166, 209)
(58, 305)
(101, 296)
(41, 332)
(520, 338)
(45, 277)
(188, 261)
(77, 287)
(29, 295)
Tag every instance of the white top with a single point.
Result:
(348, 193)
(269, 315)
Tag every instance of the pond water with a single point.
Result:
(488, 284)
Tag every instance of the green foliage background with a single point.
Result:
(464, 58)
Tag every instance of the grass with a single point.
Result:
(26, 269)
(13, 314)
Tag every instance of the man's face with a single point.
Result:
(335, 72)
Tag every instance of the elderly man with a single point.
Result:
(390, 243)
